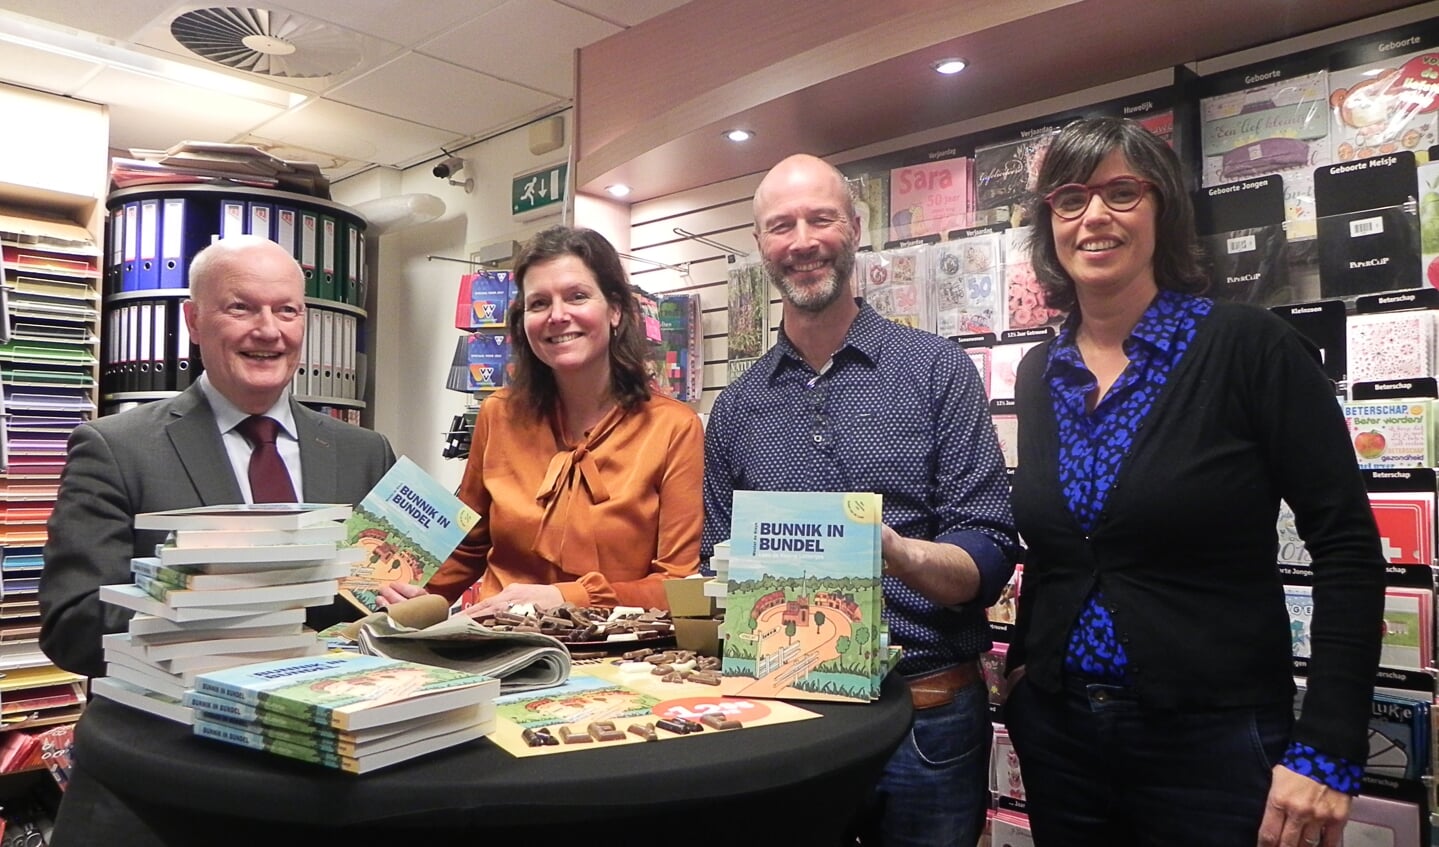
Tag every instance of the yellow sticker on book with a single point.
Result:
(862, 508)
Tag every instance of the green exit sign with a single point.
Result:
(538, 190)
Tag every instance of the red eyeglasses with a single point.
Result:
(1120, 194)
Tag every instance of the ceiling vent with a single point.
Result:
(269, 43)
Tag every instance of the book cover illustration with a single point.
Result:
(579, 700)
(802, 618)
(628, 695)
(930, 198)
(406, 527)
(748, 313)
(1279, 127)
(348, 691)
(362, 762)
(1006, 608)
(306, 741)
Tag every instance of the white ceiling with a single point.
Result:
(426, 74)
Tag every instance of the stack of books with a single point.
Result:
(229, 587)
(718, 587)
(345, 711)
(218, 163)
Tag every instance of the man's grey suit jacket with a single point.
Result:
(163, 455)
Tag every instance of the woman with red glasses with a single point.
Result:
(1153, 696)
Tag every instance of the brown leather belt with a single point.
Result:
(938, 688)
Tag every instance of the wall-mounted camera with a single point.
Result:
(449, 167)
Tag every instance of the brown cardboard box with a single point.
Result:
(687, 599)
(696, 627)
(702, 635)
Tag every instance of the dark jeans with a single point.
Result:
(935, 788)
(1099, 770)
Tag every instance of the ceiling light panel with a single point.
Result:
(442, 95)
(546, 64)
(395, 21)
(145, 110)
(356, 133)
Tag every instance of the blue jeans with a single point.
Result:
(1100, 770)
(935, 788)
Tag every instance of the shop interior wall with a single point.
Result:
(722, 212)
(411, 333)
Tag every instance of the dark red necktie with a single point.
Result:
(269, 480)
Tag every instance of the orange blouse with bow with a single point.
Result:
(605, 520)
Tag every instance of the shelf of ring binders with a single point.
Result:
(147, 353)
(154, 231)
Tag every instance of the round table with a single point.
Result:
(141, 780)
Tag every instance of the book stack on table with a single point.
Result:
(345, 711)
(229, 587)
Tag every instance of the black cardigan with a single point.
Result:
(1185, 549)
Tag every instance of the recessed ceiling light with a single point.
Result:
(949, 66)
(738, 135)
(619, 189)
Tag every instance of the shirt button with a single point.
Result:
(818, 439)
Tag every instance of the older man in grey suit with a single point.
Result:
(247, 314)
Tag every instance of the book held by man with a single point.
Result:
(802, 616)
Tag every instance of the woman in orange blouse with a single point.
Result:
(587, 484)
